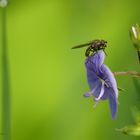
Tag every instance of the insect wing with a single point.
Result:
(82, 45)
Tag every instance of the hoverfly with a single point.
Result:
(94, 46)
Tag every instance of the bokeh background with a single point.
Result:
(48, 79)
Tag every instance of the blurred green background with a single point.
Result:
(48, 79)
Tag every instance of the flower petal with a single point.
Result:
(92, 78)
(87, 94)
(101, 93)
(95, 60)
(109, 79)
(93, 64)
(105, 95)
(113, 103)
(97, 89)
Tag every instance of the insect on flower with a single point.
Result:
(94, 46)
(101, 80)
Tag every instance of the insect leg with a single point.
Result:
(105, 52)
(87, 51)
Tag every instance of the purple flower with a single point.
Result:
(101, 81)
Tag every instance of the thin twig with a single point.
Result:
(127, 73)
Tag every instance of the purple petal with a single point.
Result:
(101, 93)
(105, 95)
(92, 78)
(113, 104)
(96, 60)
(94, 82)
(97, 90)
(109, 79)
(87, 95)
(93, 64)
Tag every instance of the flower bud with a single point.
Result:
(135, 36)
(131, 130)
(3, 3)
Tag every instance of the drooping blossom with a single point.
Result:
(101, 81)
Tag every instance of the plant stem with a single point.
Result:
(127, 73)
(6, 124)
(138, 52)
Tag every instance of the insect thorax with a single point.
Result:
(95, 46)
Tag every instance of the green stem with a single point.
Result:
(138, 52)
(5, 80)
